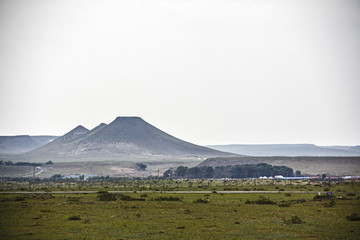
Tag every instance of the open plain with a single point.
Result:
(141, 213)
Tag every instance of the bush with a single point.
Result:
(321, 197)
(353, 217)
(331, 203)
(296, 220)
(107, 197)
(75, 217)
(19, 198)
(102, 191)
(200, 200)
(261, 200)
(129, 198)
(293, 220)
(171, 198)
(284, 204)
(142, 166)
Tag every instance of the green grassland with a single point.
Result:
(156, 215)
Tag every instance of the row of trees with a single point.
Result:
(10, 163)
(237, 171)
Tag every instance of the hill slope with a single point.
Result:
(124, 137)
(22, 143)
(288, 150)
(307, 165)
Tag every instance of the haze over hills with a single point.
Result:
(291, 150)
(336, 166)
(22, 143)
(124, 137)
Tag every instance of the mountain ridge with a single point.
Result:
(123, 137)
(291, 150)
(22, 143)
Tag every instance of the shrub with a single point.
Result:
(321, 197)
(284, 204)
(331, 203)
(200, 200)
(129, 198)
(143, 195)
(353, 217)
(293, 220)
(351, 194)
(74, 199)
(19, 198)
(296, 220)
(107, 197)
(162, 198)
(262, 200)
(102, 191)
(75, 217)
(45, 210)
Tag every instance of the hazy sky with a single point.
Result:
(208, 72)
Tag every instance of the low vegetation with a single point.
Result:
(165, 198)
(262, 200)
(353, 217)
(213, 214)
(75, 217)
(106, 197)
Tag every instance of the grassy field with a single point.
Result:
(140, 215)
(216, 217)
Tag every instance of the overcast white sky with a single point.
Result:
(208, 72)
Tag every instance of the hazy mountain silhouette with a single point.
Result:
(22, 143)
(125, 136)
(288, 150)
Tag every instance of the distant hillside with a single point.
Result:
(124, 137)
(291, 150)
(103, 168)
(339, 166)
(22, 143)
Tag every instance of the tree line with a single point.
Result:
(236, 171)
(10, 163)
